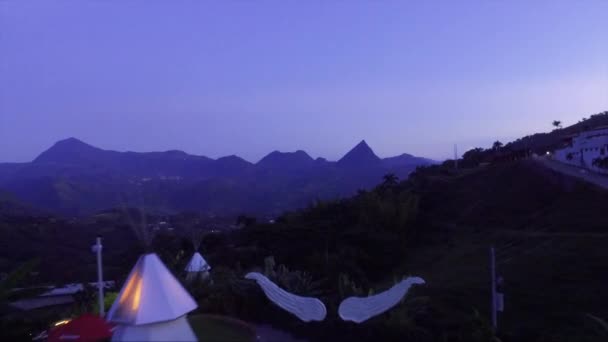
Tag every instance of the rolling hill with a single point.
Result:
(75, 178)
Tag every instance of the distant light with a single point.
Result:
(548, 153)
(65, 321)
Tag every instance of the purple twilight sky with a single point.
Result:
(248, 77)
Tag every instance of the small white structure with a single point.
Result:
(584, 149)
(360, 309)
(197, 267)
(305, 308)
(152, 305)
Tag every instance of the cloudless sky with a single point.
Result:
(249, 77)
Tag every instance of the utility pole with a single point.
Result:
(493, 288)
(456, 156)
(498, 302)
(97, 249)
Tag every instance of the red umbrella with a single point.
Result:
(87, 328)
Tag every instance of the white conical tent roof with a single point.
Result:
(177, 330)
(197, 264)
(151, 294)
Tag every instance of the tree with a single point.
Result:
(497, 145)
(15, 277)
(390, 180)
(557, 124)
(473, 157)
(246, 221)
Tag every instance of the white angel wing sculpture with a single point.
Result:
(360, 309)
(305, 308)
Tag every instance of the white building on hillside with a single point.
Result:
(587, 149)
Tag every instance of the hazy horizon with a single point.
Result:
(234, 154)
(249, 78)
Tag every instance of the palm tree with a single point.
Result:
(497, 145)
(557, 124)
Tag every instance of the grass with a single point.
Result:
(551, 281)
(219, 328)
(550, 236)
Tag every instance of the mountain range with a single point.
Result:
(75, 178)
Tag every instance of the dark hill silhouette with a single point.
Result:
(231, 166)
(75, 178)
(289, 160)
(360, 156)
(405, 160)
(7, 170)
(74, 151)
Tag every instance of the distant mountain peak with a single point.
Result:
(363, 143)
(360, 155)
(71, 141)
(276, 158)
(232, 159)
(404, 155)
(404, 161)
(66, 150)
(363, 147)
(177, 152)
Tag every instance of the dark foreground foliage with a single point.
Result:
(548, 230)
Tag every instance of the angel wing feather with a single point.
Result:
(360, 309)
(305, 308)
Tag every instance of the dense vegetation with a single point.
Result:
(548, 230)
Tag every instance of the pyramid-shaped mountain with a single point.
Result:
(361, 156)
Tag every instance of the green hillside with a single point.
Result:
(548, 230)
